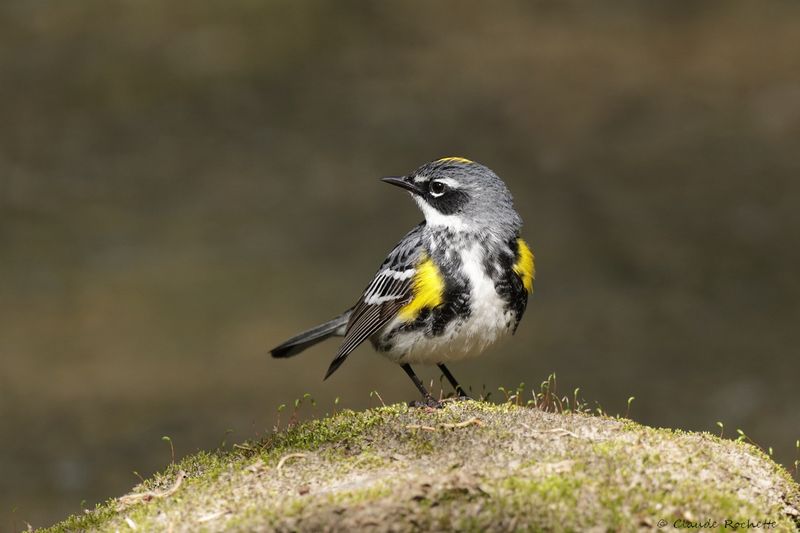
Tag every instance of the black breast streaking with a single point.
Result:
(500, 267)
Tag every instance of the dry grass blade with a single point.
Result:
(561, 432)
(290, 456)
(256, 467)
(417, 426)
(471, 422)
(212, 516)
(132, 499)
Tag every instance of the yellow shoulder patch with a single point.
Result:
(455, 160)
(427, 288)
(525, 266)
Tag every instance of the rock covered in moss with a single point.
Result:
(470, 466)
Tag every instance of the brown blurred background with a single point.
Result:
(183, 185)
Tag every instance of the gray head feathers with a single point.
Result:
(463, 195)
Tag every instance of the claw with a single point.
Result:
(429, 403)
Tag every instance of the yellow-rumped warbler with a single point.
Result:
(451, 287)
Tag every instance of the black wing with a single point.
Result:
(388, 292)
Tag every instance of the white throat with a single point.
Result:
(435, 219)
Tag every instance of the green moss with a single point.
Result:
(556, 488)
(343, 427)
(367, 495)
(469, 466)
(609, 448)
(92, 521)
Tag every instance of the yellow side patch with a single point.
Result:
(455, 160)
(525, 266)
(427, 288)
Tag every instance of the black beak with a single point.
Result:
(404, 182)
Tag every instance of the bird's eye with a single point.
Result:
(437, 188)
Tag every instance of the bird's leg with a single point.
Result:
(462, 395)
(429, 400)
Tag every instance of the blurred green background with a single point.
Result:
(185, 184)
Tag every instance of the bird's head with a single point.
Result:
(463, 196)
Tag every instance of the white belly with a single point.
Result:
(462, 338)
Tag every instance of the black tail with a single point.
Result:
(300, 342)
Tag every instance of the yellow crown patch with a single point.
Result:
(454, 160)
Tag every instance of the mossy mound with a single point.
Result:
(469, 466)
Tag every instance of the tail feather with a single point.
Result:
(306, 339)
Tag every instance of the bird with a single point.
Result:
(451, 287)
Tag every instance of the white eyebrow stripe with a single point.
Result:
(420, 179)
(450, 182)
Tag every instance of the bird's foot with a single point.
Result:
(429, 403)
(461, 395)
(458, 398)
